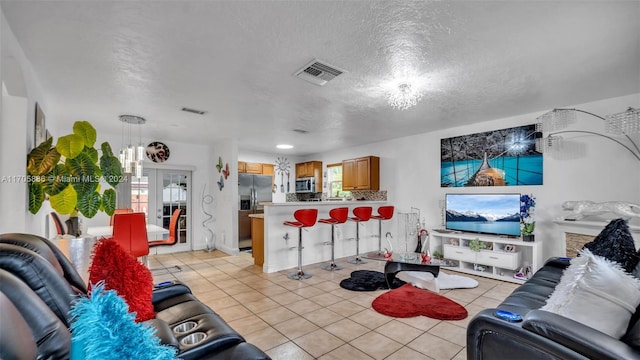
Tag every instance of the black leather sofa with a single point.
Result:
(41, 285)
(540, 334)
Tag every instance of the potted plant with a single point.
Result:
(69, 173)
(527, 222)
(477, 245)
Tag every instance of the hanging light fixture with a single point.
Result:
(626, 122)
(553, 122)
(131, 155)
(404, 97)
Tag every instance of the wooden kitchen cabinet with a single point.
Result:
(254, 168)
(257, 240)
(361, 173)
(309, 169)
(268, 169)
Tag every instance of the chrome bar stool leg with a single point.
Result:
(384, 213)
(332, 265)
(357, 259)
(299, 274)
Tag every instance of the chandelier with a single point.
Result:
(404, 97)
(553, 122)
(131, 155)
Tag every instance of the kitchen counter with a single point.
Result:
(281, 241)
(336, 203)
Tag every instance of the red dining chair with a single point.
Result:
(174, 235)
(173, 231)
(305, 218)
(130, 231)
(336, 216)
(58, 222)
(119, 211)
(384, 213)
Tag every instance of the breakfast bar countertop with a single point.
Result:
(326, 202)
(280, 241)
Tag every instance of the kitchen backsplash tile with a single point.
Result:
(369, 195)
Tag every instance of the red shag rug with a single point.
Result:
(409, 301)
(123, 273)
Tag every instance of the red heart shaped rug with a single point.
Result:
(409, 301)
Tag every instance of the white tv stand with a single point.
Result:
(497, 263)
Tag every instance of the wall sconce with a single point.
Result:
(552, 123)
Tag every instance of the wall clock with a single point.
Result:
(157, 152)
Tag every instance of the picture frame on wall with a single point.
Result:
(504, 157)
(40, 132)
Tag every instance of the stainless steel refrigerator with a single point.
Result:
(253, 190)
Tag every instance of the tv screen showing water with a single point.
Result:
(484, 213)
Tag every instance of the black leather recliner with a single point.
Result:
(51, 336)
(13, 330)
(540, 334)
(35, 262)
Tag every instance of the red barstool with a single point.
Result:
(306, 218)
(362, 213)
(384, 213)
(337, 216)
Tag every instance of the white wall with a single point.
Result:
(20, 81)
(225, 200)
(600, 171)
(12, 189)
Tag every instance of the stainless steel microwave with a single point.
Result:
(306, 185)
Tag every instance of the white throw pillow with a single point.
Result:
(596, 292)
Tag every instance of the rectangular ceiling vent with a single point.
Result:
(194, 111)
(301, 131)
(318, 72)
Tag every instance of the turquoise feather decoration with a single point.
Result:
(103, 328)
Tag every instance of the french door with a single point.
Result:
(158, 193)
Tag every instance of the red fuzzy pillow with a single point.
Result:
(124, 274)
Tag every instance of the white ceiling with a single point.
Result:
(474, 61)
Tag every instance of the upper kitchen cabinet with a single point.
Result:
(250, 168)
(361, 173)
(309, 169)
(268, 169)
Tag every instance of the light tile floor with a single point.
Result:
(316, 318)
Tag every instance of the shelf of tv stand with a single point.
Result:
(498, 264)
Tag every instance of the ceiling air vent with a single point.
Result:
(318, 72)
(301, 131)
(194, 111)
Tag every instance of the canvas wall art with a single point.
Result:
(505, 157)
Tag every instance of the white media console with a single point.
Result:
(502, 258)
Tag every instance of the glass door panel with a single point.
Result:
(158, 193)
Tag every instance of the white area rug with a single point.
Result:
(444, 281)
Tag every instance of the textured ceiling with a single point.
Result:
(474, 61)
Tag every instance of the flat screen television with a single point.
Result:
(497, 214)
